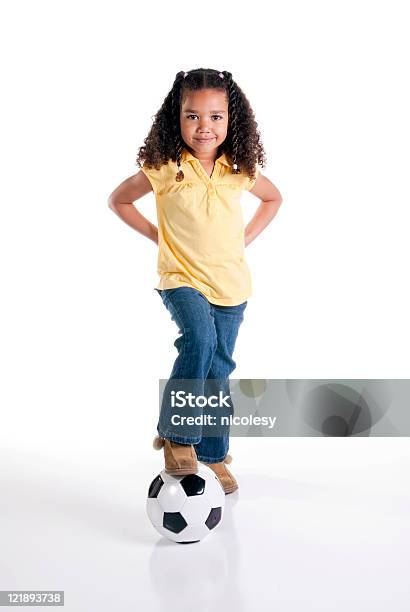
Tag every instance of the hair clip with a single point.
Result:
(185, 74)
(221, 75)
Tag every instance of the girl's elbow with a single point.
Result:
(111, 204)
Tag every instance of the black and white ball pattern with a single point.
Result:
(186, 508)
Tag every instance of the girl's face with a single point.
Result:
(204, 120)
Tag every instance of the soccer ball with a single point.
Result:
(186, 508)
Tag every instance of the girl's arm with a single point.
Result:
(121, 202)
(271, 198)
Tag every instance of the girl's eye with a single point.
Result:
(220, 116)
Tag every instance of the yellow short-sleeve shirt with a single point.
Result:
(201, 229)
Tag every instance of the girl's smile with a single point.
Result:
(204, 140)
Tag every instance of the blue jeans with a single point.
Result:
(205, 348)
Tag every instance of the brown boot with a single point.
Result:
(226, 478)
(180, 459)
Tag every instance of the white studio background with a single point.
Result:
(84, 336)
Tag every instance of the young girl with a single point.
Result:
(202, 151)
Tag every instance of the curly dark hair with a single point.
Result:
(242, 144)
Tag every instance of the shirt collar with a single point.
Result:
(187, 156)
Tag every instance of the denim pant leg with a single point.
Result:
(227, 322)
(196, 346)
